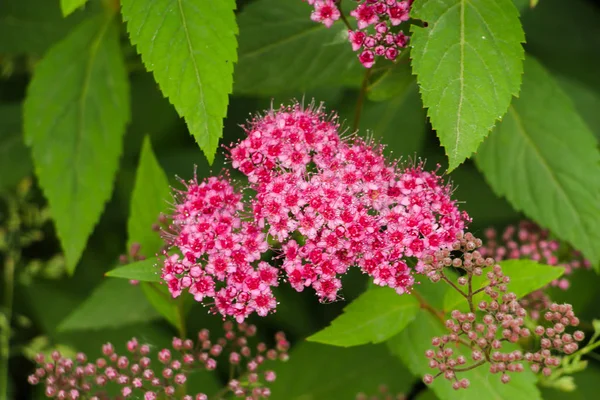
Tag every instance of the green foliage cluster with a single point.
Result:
(104, 102)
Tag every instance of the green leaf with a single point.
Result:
(115, 303)
(68, 6)
(553, 174)
(468, 62)
(145, 271)
(150, 198)
(410, 346)
(76, 137)
(32, 26)
(373, 317)
(165, 304)
(526, 276)
(281, 50)
(586, 101)
(321, 372)
(191, 47)
(15, 160)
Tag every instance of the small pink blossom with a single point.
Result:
(365, 14)
(325, 12)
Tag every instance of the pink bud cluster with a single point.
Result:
(554, 338)
(502, 321)
(334, 203)
(219, 251)
(528, 240)
(138, 376)
(375, 35)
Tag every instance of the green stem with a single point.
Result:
(338, 3)
(449, 282)
(361, 99)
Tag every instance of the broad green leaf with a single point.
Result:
(15, 160)
(115, 303)
(190, 46)
(526, 276)
(468, 62)
(32, 26)
(150, 198)
(410, 346)
(373, 317)
(145, 271)
(165, 304)
(76, 137)
(553, 170)
(320, 372)
(281, 49)
(68, 6)
(586, 101)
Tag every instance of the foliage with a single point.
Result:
(104, 104)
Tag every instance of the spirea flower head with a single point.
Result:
(376, 34)
(350, 206)
(218, 252)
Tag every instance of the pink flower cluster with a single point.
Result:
(382, 15)
(137, 376)
(348, 203)
(219, 252)
(325, 203)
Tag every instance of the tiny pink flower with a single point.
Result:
(325, 12)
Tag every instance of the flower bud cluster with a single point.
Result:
(495, 321)
(138, 376)
(554, 338)
(528, 240)
(375, 35)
